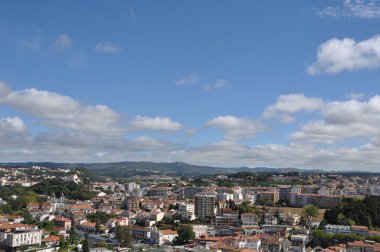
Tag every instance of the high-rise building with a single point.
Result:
(205, 205)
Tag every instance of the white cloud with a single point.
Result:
(107, 47)
(141, 123)
(356, 96)
(61, 47)
(290, 104)
(232, 154)
(4, 89)
(86, 148)
(84, 133)
(62, 111)
(337, 55)
(13, 133)
(219, 83)
(342, 120)
(192, 79)
(79, 141)
(82, 147)
(235, 128)
(10, 125)
(62, 43)
(366, 9)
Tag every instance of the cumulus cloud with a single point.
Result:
(290, 104)
(11, 125)
(366, 9)
(61, 47)
(62, 111)
(4, 89)
(93, 143)
(191, 79)
(341, 120)
(356, 96)
(232, 154)
(337, 55)
(218, 84)
(13, 132)
(62, 43)
(86, 148)
(142, 123)
(80, 147)
(235, 128)
(107, 47)
(85, 133)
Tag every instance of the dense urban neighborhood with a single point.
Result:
(190, 126)
(60, 209)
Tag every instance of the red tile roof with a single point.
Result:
(52, 238)
(88, 224)
(168, 232)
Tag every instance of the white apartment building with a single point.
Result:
(224, 196)
(22, 237)
(162, 237)
(132, 186)
(249, 219)
(334, 229)
(200, 230)
(186, 207)
(252, 242)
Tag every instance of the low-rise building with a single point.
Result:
(21, 237)
(161, 237)
(62, 222)
(335, 229)
(359, 230)
(249, 219)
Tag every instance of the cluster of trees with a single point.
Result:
(353, 211)
(70, 243)
(324, 240)
(199, 182)
(99, 217)
(185, 235)
(58, 187)
(310, 210)
(23, 196)
(124, 236)
(253, 179)
(17, 204)
(245, 207)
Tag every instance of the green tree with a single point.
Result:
(85, 245)
(185, 235)
(100, 217)
(63, 244)
(352, 210)
(103, 244)
(310, 210)
(245, 208)
(47, 225)
(97, 227)
(73, 237)
(24, 247)
(124, 236)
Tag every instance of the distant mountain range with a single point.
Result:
(128, 169)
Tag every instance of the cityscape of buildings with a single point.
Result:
(186, 126)
(222, 218)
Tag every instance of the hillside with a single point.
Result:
(127, 169)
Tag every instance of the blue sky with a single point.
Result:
(224, 83)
